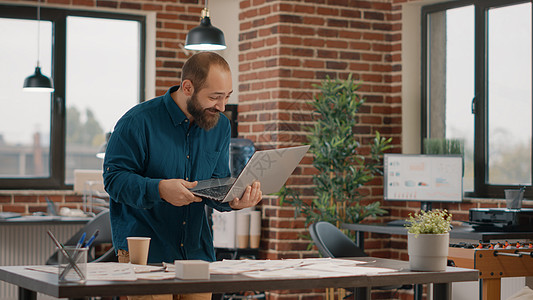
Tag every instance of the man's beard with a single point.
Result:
(200, 115)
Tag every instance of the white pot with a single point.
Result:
(428, 252)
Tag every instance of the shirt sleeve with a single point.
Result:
(124, 160)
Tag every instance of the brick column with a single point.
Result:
(285, 48)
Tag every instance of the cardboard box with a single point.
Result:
(191, 269)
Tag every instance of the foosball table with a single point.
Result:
(494, 261)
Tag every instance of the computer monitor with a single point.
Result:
(424, 178)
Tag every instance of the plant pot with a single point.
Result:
(428, 252)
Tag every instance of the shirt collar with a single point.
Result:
(176, 114)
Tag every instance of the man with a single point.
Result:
(157, 152)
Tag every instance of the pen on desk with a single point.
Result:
(81, 245)
(82, 239)
(77, 255)
(91, 240)
(65, 253)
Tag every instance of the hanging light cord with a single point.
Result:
(38, 30)
(205, 11)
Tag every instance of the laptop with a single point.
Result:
(270, 167)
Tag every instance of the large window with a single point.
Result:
(96, 61)
(477, 88)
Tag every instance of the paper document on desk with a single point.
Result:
(116, 271)
(295, 268)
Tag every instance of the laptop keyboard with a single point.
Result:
(215, 193)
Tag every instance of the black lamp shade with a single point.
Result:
(205, 37)
(38, 82)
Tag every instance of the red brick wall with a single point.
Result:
(285, 48)
(28, 202)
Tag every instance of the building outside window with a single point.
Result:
(477, 87)
(96, 61)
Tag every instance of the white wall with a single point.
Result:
(224, 15)
(411, 44)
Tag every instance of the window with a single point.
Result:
(96, 61)
(476, 87)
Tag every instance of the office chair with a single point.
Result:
(332, 242)
(100, 222)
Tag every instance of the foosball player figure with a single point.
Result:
(480, 245)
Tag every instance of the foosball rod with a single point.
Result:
(496, 253)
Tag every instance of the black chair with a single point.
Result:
(332, 242)
(102, 223)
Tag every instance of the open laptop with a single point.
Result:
(270, 167)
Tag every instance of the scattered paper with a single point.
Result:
(295, 268)
(285, 268)
(115, 271)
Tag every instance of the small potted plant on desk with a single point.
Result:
(428, 240)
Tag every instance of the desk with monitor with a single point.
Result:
(435, 178)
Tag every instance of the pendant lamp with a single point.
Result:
(37, 82)
(205, 37)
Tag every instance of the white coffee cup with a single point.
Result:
(138, 249)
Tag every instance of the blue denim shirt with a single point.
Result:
(151, 142)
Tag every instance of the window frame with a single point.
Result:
(58, 17)
(482, 188)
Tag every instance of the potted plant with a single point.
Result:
(342, 167)
(428, 239)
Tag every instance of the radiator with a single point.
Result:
(29, 244)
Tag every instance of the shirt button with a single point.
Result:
(181, 244)
(187, 156)
(186, 121)
(184, 222)
(187, 178)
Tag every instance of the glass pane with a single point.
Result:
(451, 81)
(509, 94)
(25, 116)
(102, 84)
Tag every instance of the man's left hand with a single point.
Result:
(252, 196)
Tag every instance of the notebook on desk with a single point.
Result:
(270, 167)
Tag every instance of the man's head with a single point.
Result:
(206, 81)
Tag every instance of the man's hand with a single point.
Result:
(176, 192)
(252, 196)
